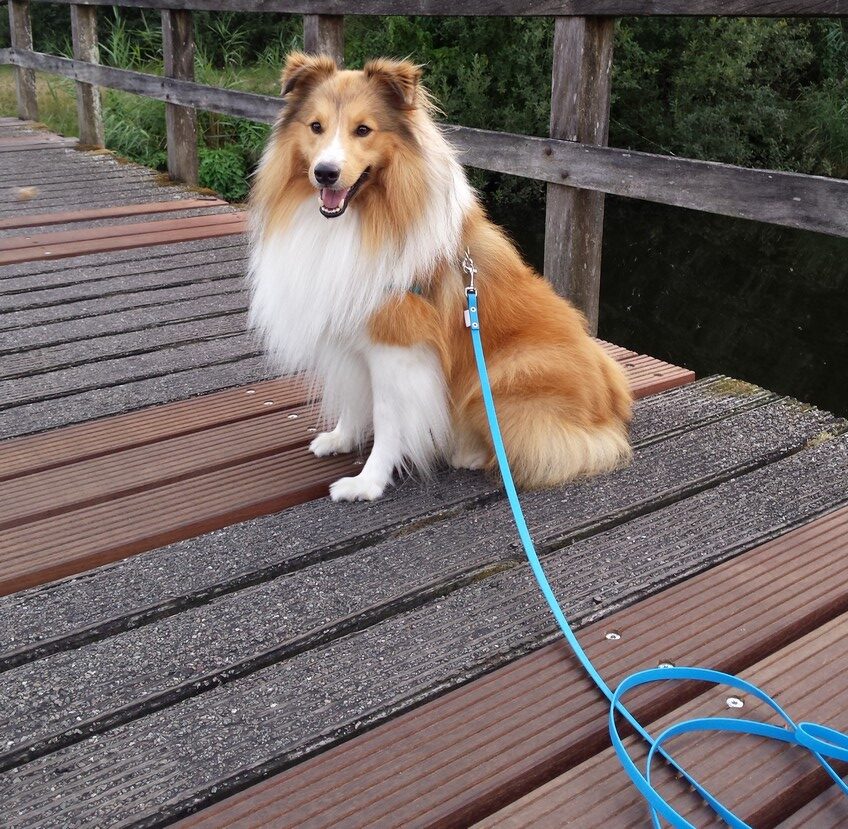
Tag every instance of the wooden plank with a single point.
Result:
(180, 121)
(115, 475)
(263, 108)
(84, 37)
(760, 781)
(73, 444)
(52, 238)
(20, 31)
(547, 8)
(121, 211)
(580, 99)
(324, 35)
(827, 811)
(414, 576)
(461, 756)
(122, 238)
(100, 534)
(788, 199)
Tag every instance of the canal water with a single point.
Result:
(757, 302)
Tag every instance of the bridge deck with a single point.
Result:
(191, 633)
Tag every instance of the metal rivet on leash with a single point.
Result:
(251, 391)
(735, 702)
(612, 635)
(312, 429)
(292, 417)
(665, 665)
(268, 403)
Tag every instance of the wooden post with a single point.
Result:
(323, 34)
(84, 36)
(580, 100)
(180, 121)
(20, 27)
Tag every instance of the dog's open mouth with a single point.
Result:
(334, 202)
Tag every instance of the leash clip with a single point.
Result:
(470, 269)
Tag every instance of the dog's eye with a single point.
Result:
(316, 127)
(362, 130)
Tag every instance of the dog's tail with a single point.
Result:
(545, 450)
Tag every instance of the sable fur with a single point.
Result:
(332, 296)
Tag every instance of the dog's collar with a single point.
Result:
(416, 289)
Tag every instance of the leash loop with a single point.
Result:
(821, 741)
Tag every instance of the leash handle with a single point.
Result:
(820, 740)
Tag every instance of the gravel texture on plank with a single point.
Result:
(100, 402)
(336, 597)
(54, 205)
(82, 227)
(38, 361)
(93, 267)
(308, 533)
(148, 771)
(97, 305)
(119, 323)
(173, 275)
(56, 384)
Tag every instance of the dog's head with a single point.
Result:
(345, 128)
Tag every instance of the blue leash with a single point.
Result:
(820, 740)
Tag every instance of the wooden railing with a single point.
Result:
(575, 161)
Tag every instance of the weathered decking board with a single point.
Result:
(46, 219)
(76, 516)
(60, 244)
(309, 537)
(458, 757)
(319, 688)
(760, 782)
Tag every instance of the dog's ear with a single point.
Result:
(400, 78)
(302, 71)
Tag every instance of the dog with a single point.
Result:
(360, 216)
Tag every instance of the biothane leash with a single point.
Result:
(820, 740)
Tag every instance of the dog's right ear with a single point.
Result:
(302, 71)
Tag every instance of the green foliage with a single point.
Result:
(757, 92)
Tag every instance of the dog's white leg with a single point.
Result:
(411, 421)
(347, 396)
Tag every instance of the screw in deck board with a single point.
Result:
(20, 26)
(89, 115)
(574, 219)
(180, 121)
(323, 34)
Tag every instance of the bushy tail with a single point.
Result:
(545, 450)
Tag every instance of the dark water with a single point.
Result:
(760, 303)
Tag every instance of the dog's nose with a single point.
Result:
(327, 174)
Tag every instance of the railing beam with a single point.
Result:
(20, 26)
(323, 34)
(574, 224)
(84, 36)
(180, 121)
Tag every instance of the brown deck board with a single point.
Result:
(58, 245)
(121, 211)
(72, 444)
(760, 781)
(464, 755)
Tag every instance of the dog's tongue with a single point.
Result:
(331, 199)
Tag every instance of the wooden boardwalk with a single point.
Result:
(192, 635)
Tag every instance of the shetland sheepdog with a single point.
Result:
(361, 215)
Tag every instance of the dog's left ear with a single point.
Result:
(399, 77)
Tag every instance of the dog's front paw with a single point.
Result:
(330, 443)
(358, 488)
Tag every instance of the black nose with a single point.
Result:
(327, 174)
